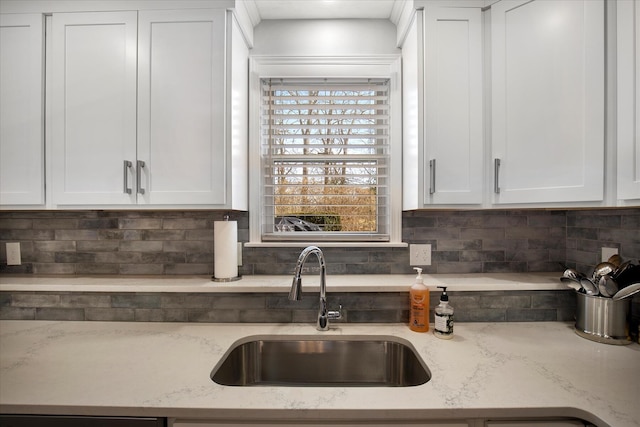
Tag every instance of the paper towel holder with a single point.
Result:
(225, 279)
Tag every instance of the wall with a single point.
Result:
(181, 242)
(325, 37)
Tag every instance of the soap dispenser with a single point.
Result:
(419, 304)
(444, 317)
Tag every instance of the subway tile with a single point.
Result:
(184, 223)
(76, 300)
(149, 315)
(531, 315)
(140, 223)
(377, 316)
(45, 268)
(95, 245)
(141, 269)
(47, 313)
(91, 268)
(218, 316)
(141, 246)
(264, 316)
(135, 301)
(35, 300)
(76, 235)
(56, 224)
(162, 235)
(239, 301)
(17, 313)
(15, 224)
(110, 314)
(98, 223)
(189, 269)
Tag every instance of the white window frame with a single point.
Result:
(378, 67)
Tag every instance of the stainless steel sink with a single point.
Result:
(357, 361)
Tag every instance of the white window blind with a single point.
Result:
(325, 159)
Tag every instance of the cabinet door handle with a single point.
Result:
(140, 165)
(432, 177)
(496, 176)
(127, 166)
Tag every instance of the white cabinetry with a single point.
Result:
(547, 94)
(21, 110)
(443, 142)
(93, 107)
(141, 109)
(628, 111)
(181, 137)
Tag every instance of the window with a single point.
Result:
(325, 151)
(325, 159)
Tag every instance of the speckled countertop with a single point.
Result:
(162, 369)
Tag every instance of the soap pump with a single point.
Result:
(419, 304)
(444, 317)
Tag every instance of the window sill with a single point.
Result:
(326, 244)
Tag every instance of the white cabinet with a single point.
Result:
(628, 111)
(547, 95)
(181, 83)
(21, 110)
(443, 142)
(93, 107)
(142, 110)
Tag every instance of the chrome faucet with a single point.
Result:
(296, 288)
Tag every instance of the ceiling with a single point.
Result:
(324, 9)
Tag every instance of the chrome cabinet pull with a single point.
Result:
(496, 176)
(140, 165)
(127, 166)
(432, 173)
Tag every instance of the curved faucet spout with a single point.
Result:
(296, 287)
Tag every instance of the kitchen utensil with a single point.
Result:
(615, 259)
(631, 274)
(602, 319)
(589, 287)
(607, 286)
(571, 274)
(602, 269)
(627, 292)
(621, 268)
(572, 283)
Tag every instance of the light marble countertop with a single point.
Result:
(162, 369)
(335, 283)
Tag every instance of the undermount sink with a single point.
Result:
(356, 361)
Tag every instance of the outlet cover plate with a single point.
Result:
(420, 254)
(13, 254)
(608, 252)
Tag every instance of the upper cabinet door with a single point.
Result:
(443, 108)
(93, 107)
(21, 110)
(628, 55)
(453, 137)
(548, 100)
(181, 100)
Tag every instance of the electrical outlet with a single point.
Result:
(13, 254)
(239, 254)
(608, 253)
(420, 254)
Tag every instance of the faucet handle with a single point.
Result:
(334, 315)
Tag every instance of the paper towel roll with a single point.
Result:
(225, 249)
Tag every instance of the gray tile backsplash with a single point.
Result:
(181, 242)
(366, 307)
